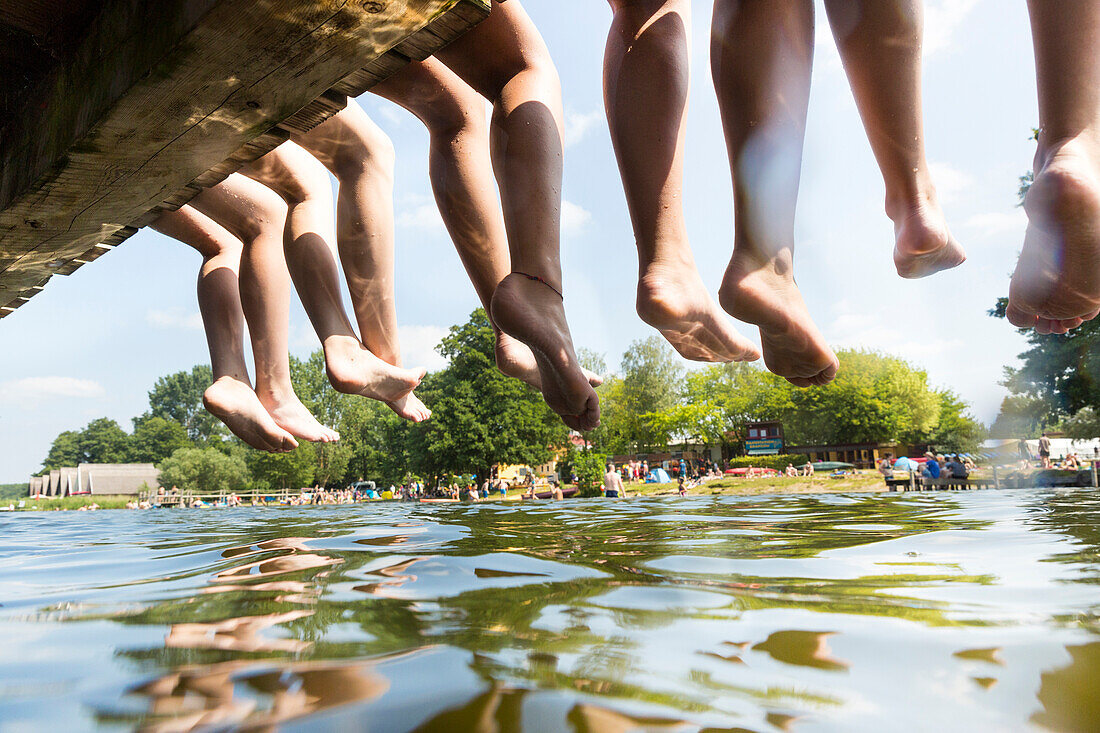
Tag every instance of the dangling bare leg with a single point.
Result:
(880, 44)
(361, 157)
(309, 244)
(505, 60)
(256, 216)
(230, 398)
(646, 78)
(1056, 285)
(761, 54)
(462, 180)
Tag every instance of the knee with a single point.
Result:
(267, 215)
(369, 153)
(306, 180)
(450, 116)
(534, 67)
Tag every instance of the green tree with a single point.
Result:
(875, 398)
(957, 430)
(291, 470)
(178, 397)
(155, 439)
(103, 441)
(1060, 372)
(65, 451)
(204, 470)
(479, 416)
(649, 384)
(590, 467)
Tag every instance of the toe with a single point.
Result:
(1070, 323)
(1042, 325)
(1020, 318)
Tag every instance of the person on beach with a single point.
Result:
(1056, 285)
(612, 484)
(237, 228)
(1044, 450)
(761, 53)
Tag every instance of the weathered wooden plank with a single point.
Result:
(178, 106)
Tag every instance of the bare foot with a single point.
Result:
(514, 359)
(410, 407)
(764, 293)
(673, 299)
(291, 415)
(1056, 285)
(923, 243)
(235, 404)
(532, 313)
(352, 369)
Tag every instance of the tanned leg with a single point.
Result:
(361, 157)
(256, 215)
(462, 180)
(1056, 285)
(646, 79)
(761, 54)
(880, 44)
(505, 60)
(309, 242)
(230, 398)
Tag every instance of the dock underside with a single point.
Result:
(116, 111)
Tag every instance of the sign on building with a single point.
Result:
(763, 438)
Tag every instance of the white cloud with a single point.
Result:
(998, 223)
(574, 218)
(174, 319)
(942, 18)
(418, 346)
(31, 390)
(579, 124)
(950, 181)
(424, 217)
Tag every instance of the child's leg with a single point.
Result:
(761, 54)
(230, 398)
(506, 61)
(880, 44)
(462, 180)
(256, 215)
(646, 93)
(1057, 281)
(309, 245)
(360, 155)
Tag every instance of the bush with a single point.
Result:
(590, 468)
(779, 463)
(203, 470)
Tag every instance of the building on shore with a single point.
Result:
(95, 479)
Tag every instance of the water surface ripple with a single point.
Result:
(973, 611)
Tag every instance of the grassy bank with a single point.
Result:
(74, 502)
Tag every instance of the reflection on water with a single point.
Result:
(976, 611)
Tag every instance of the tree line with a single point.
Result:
(876, 398)
(481, 417)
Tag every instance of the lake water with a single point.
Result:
(945, 611)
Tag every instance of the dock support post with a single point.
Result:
(1094, 482)
(996, 480)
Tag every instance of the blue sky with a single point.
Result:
(93, 343)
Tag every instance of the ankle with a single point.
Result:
(751, 259)
(909, 197)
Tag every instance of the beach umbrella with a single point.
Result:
(906, 464)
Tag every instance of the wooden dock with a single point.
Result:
(917, 483)
(113, 111)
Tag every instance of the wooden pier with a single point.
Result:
(113, 111)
